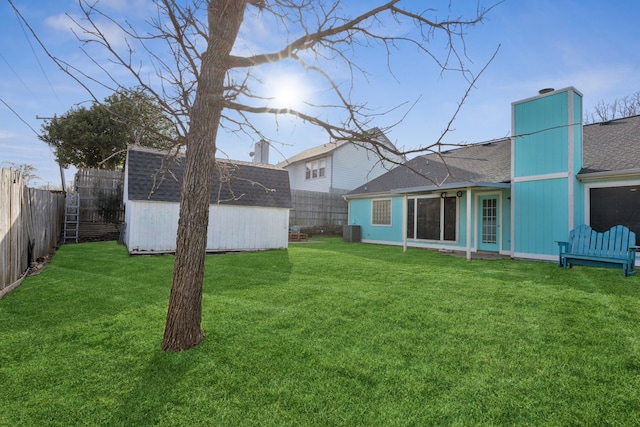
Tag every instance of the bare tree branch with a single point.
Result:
(205, 87)
(626, 106)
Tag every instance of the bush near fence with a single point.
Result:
(30, 226)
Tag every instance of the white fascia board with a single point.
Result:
(594, 176)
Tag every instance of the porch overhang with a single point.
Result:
(450, 186)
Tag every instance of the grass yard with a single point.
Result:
(325, 334)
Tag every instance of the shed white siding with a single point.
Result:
(152, 227)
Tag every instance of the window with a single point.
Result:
(315, 169)
(381, 212)
(611, 206)
(431, 218)
(490, 221)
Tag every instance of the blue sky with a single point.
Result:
(588, 44)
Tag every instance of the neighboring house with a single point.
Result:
(338, 166)
(249, 204)
(514, 196)
(320, 176)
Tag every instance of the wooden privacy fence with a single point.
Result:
(30, 225)
(318, 212)
(101, 207)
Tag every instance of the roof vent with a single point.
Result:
(546, 90)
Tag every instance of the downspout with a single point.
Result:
(468, 224)
(346, 199)
(404, 223)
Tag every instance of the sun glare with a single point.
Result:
(287, 91)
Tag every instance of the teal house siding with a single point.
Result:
(515, 196)
(506, 221)
(576, 129)
(360, 213)
(462, 220)
(541, 215)
(546, 153)
(541, 132)
(577, 209)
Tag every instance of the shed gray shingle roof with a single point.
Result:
(152, 175)
(608, 146)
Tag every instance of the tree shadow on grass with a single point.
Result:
(155, 390)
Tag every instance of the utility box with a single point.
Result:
(351, 233)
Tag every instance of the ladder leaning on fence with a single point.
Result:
(71, 217)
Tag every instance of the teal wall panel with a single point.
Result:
(506, 220)
(541, 216)
(462, 219)
(360, 214)
(547, 153)
(577, 132)
(578, 202)
(541, 132)
(578, 187)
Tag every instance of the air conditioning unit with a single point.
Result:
(351, 233)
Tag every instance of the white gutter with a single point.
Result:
(451, 186)
(592, 176)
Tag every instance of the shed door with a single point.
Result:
(489, 227)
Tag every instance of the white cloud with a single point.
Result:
(63, 22)
(607, 83)
(80, 27)
(7, 135)
(131, 7)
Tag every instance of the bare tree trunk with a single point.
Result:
(183, 329)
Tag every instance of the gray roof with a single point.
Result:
(611, 146)
(608, 146)
(155, 176)
(311, 153)
(489, 162)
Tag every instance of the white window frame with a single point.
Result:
(375, 212)
(315, 169)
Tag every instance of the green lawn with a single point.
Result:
(324, 334)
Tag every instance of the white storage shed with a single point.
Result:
(249, 208)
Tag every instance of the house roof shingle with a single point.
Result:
(310, 153)
(152, 175)
(486, 162)
(611, 146)
(607, 146)
(324, 149)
